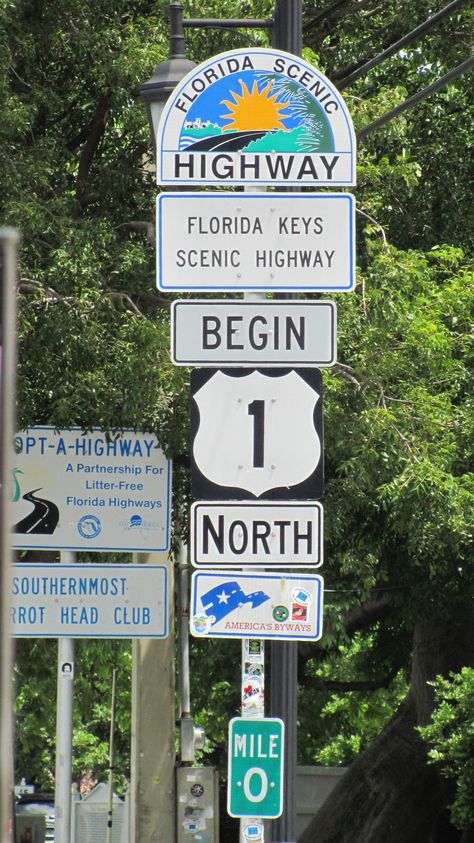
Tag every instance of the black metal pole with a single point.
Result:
(288, 36)
(288, 26)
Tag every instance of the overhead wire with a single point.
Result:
(453, 74)
(402, 42)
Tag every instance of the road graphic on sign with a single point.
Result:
(42, 520)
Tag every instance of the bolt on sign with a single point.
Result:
(257, 116)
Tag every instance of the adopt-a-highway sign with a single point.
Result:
(255, 767)
(90, 491)
(89, 601)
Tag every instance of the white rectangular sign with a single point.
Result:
(89, 601)
(257, 534)
(272, 241)
(239, 333)
(286, 607)
(89, 491)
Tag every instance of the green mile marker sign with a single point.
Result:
(255, 767)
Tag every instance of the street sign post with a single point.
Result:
(284, 606)
(255, 771)
(89, 601)
(245, 333)
(76, 491)
(270, 241)
(256, 434)
(256, 534)
(256, 116)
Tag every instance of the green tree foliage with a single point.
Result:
(451, 738)
(35, 713)
(76, 177)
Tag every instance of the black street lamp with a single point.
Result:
(168, 74)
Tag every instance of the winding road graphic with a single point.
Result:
(230, 141)
(43, 519)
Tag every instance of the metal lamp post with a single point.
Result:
(168, 74)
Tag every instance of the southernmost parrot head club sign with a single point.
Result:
(258, 116)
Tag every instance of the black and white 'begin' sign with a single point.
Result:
(237, 333)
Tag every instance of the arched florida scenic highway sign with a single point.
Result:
(258, 116)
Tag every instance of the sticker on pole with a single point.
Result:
(255, 771)
(256, 434)
(256, 116)
(286, 607)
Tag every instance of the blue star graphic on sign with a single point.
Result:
(219, 602)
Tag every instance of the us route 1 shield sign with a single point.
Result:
(246, 333)
(284, 606)
(256, 434)
(271, 241)
(257, 534)
(255, 767)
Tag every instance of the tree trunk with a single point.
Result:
(390, 794)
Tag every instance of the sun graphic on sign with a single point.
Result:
(254, 110)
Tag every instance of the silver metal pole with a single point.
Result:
(186, 722)
(9, 239)
(184, 686)
(256, 297)
(111, 757)
(65, 696)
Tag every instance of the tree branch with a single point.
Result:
(373, 610)
(140, 226)
(97, 129)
